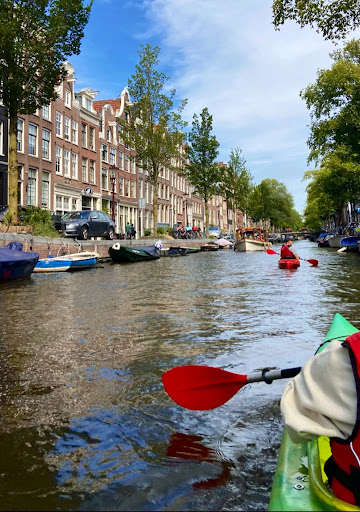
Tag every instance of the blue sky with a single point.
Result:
(225, 56)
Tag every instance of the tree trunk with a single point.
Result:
(13, 170)
(207, 218)
(155, 210)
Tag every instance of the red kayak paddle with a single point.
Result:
(202, 388)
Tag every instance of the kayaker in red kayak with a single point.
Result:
(324, 400)
(286, 253)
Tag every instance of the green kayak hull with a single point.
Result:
(299, 479)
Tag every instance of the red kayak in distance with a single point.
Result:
(288, 263)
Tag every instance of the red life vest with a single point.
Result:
(343, 467)
(285, 252)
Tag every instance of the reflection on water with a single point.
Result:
(86, 423)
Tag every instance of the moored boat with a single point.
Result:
(334, 241)
(288, 263)
(75, 261)
(211, 246)
(251, 239)
(350, 243)
(126, 253)
(299, 481)
(16, 264)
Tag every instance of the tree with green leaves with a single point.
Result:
(201, 170)
(334, 19)
(36, 37)
(153, 127)
(236, 183)
(272, 202)
(337, 182)
(334, 104)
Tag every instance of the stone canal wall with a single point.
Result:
(59, 246)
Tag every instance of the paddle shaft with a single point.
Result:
(270, 375)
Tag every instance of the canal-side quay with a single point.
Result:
(59, 246)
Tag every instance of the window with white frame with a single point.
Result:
(67, 173)
(46, 112)
(67, 99)
(121, 186)
(126, 162)
(104, 179)
(108, 135)
(87, 104)
(104, 153)
(45, 190)
(84, 170)
(121, 160)
(132, 164)
(74, 165)
(92, 138)
(58, 160)
(31, 188)
(46, 144)
(84, 135)
(127, 188)
(32, 139)
(74, 132)
(112, 156)
(20, 135)
(92, 172)
(67, 128)
(133, 188)
(140, 188)
(58, 124)
(120, 134)
(66, 203)
(74, 203)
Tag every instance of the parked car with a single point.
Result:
(87, 223)
(215, 231)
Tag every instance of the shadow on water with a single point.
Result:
(86, 423)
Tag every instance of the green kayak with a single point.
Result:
(299, 482)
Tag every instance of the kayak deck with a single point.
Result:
(299, 481)
(288, 263)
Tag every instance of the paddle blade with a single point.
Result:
(314, 263)
(200, 387)
(270, 251)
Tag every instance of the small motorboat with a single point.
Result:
(16, 264)
(288, 263)
(132, 253)
(350, 243)
(75, 261)
(174, 251)
(211, 246)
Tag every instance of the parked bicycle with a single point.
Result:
(4, 223)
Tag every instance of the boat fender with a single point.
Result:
(116, 246)
(268, 381)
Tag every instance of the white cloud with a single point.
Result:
(226, 56)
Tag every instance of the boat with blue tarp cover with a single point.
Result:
(16, 263)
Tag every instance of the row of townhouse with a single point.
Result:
(71, 157)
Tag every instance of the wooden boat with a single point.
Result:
(251, 239)
(16, 264)
(211, 246)
(125, 253)
(223, 243)
(350, 243)
(288, 263)
(193, 250)
(299, 481)
(334, 241)
(80, 260)
(174, 251)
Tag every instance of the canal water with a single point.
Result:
(85, 421)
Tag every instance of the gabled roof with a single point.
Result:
(115, 104)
